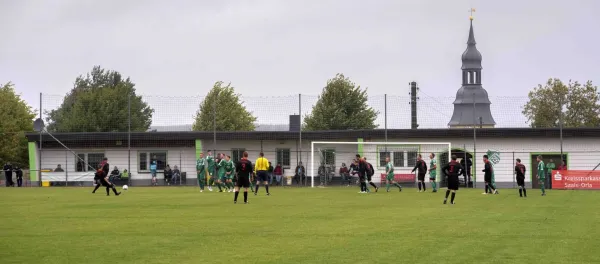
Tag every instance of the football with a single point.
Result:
(125, 187)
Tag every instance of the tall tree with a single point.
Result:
(231, 114)
(580, 104)
(98, 103)
(342, 105)
(16, 119)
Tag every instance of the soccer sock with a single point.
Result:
(521, 192)
(235, 196)
(419, 183)
(114, 190)
(107, 191)
(398, 184)
(267, 188)
(211, 181)
(387, 187)
(447, 193)
(433, 185)
(486, 188)
(543, 187)
(256, 191)
(363, 187)
(424, 188)
(219, 185)
(524, 191)
(201, 184)
(96, 188)
(452, 199)
(245, 197)
(373, 184)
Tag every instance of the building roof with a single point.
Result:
(471, 58)
(433, 134)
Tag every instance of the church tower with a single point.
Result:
(472, 105)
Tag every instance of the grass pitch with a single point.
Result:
(329, 225)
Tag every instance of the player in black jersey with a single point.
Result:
(452, 170)
(520, 171)
(101, 178)
(243, 169)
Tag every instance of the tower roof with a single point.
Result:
(471, 58)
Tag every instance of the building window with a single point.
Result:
(411, 158)
(328, 157)
(382, 156)
(145, 158)
(236, 154)
(92, 159)
(283, 157)
(398, 158)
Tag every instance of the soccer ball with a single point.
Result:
(125, 187)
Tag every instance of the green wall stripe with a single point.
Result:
(32, 161)
(360, 147)
(198, 148)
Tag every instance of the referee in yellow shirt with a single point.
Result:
(260, 169)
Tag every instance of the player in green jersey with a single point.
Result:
(229, 173)
(210, 169)
(201, 171)
(541, 174)
(221, 173)
(432, 171)
(389, 172)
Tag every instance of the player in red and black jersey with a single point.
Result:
(520, 172)
(421, 168)
(244, 170)
(488, 169)
(452, 170)
(101, 178)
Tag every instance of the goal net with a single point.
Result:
(330, 161)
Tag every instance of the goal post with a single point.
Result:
(328, 156)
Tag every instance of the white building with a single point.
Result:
(581, 149)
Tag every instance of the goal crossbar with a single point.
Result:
(312, 150)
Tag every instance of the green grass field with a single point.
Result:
(321, 225)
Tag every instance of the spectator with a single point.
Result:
(58, 168)
(278, 172)
(115, 174)
(549, 167)
(345, 174)
(19, 176)
(168, 173)
(353, 169)
(466, 163)
(299, 173)
(270, 173)
(8, 170)
(176, 175)
(153, 172)
(563, 165)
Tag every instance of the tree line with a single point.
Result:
(98, 103)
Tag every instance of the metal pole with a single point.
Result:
(514, 175)
(66, 168)
(300, 136)
(385, 118)
(40, 156)
(466, 165)
(215, 126)
(560, 125)
(129, 139)
(474, 170)
(179, 168)
(312, 165)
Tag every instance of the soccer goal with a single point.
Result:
(328, 157)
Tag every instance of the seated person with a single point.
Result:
(58, 168)
(345, 174)
(176, 175)
(168, 174)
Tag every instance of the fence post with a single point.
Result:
(513, 160)
(129, 139)
(299, 136)
(66, 168)
(40, 147)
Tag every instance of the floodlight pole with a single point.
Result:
(560, 125)
(385, 120)
(129, 138)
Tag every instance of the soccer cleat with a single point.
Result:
(445, 201)
(434, 191)
(376, 189)
(234, 202)
(245, 202)
(452, 203)
(201, 190)
(543, 194)
(400, 189)
(496, 192)
(484, 193)
(268, 194)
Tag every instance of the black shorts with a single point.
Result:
(243, 182)
(421, 177)
(487, 179)
(521, 181)
(104, 182)
(369, 177)
(361, 177)
(453, 183)
(262, 176)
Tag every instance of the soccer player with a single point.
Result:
(243, 169)
(362, 169)
(452, 170)
(370, 172)
(421, 168)
(102, 174)
(229, 173)
(541, 174)
(432, 171)
(210, 169)
(221, 174)
(201, 171)
(260, 167)
(488, 169)
(520, 171)
(389, 171)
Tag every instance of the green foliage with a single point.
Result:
(16, 118)
(231, 115)
(342, 105)
(98, 103)
(581, 105)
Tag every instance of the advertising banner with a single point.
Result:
(576, 180)
(402, 177)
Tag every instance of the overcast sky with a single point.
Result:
(277, 47)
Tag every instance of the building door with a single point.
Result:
(547, 158)
(443, 160)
